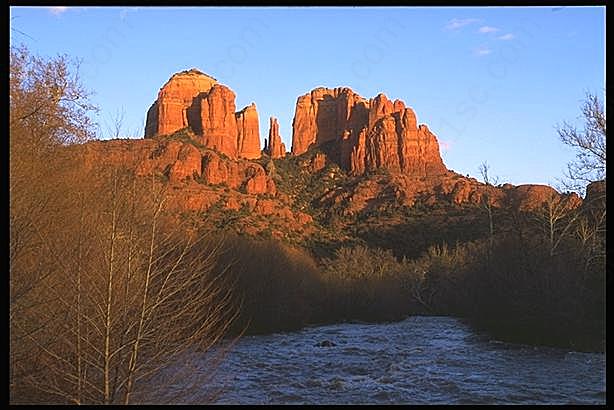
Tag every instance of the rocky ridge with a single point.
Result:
(356, 155)
(366, 134)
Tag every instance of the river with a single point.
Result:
(421, 360)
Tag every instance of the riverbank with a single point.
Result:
(419, 360)
(505, 287)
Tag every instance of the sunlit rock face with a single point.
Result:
(365, 134)
(275, 148)
(194, 100)
(359, 135)
(248, 139)
(174, 108)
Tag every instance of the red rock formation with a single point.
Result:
(170, 112)
(398, 106)
(188, 164)
(530, 197)
(383, 145)
(275, 148)
(370, 134)
(303, 218)
(265, 207)
(233, 203)
(181, 162)
(248, 139)
(323, 114)
(358, 154)
(419, 150)
(257, 182)
(218, 123)
(395, 143)
(379, 107)
(236, 174)
(194, 100)
(318, 162)
(192, 197)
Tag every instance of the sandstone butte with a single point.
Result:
(358, 135)
(364, 135)
(194, 100)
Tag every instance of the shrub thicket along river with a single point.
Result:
(421, 360)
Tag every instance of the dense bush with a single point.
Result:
(524, 294)
(366, 284)
(283, 288)
(520, 289)
(277, 286)
(513, 285)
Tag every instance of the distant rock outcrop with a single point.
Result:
(194, 100)
(357, 134)
(218, 126)
(275, 148)
(249, 132)
(248, 176)
(181, 162)
(366, 134)
(174, 109)
(323, 114)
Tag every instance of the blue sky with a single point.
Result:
(490, 82)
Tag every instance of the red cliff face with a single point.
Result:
(368, 135)
(248, 140)
(194, 100)
(275, 148)
(533, 197)
(187, 167)
(324, 114)
(218, 125)
(359, 135)
(171, 111)
(240, 175)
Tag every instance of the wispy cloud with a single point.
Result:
(488, 29)
(508, 36)
(455, 23)
(482, 51)
(57, 10)
(123, 13)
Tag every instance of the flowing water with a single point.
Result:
(421, 360)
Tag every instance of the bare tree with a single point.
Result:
(486, 198)
(419, 289)
(114, 124)
(589, 144)
(557, 219)
(150, 299)
(589, 167)
(105, 292)
(48, 109)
